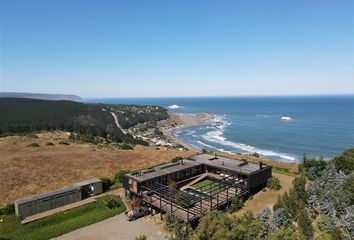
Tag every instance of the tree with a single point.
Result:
(118, 177)
(214, 225)
(345, 162)
(305, 225)
(299, 187)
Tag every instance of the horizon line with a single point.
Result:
(230, 96)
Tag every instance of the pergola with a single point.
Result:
(189, 206)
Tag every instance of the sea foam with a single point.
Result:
(174, 106)
(216, 137)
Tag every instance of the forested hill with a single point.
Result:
(88, 122)
(44, 96)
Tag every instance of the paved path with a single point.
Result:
(117, 228)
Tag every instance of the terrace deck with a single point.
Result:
(189, 206)
(192, 213)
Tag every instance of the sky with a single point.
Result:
(137, 48)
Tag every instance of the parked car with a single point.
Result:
(136, 213)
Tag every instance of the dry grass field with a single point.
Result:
(28, 170)
(267, 199)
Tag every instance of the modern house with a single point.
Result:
(190, 187)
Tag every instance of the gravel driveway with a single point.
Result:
(117, 228)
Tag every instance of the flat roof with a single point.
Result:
(163, 169)
(227, 163)
(197, 160)
(47, 194)
(87, 182)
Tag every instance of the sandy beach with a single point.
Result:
(190, 120)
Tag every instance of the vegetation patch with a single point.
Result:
(126, 146)
(8, 209)
(209, 186)
(236, 204)
(60, 223)
(50, 144)
(284, 171)
(176, 159)
(64, 143)
(274, 184)
(34, 145)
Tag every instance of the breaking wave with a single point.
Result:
(207, 145)
(174, 106)
(216, 137)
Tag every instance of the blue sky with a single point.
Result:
(177, 48)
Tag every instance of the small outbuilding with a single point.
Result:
(43, 202)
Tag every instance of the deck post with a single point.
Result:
(201, 207)
(150, 194)
(227, 195)
(171, 205)
(160, 207)
(211, 202)
(188, 214)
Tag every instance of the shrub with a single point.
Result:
(176, 159)
(8, 209)
(31, 135)
(126, 146)
(34, 145)
(64, 143)
(255, 155)
(236, 204)
(50, 144)
(106, 183)
(337, 234)
(179, 230)
(141, 237)
(285, 233)
(112, 203)
(118, 177)
(345, 162)
(204, 151)
(274, 184)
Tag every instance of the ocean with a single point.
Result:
(316, 125)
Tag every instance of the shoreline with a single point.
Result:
(184, 121)
(204, 119)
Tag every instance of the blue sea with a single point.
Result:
(319, 125)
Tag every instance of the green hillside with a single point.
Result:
(89, 122)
